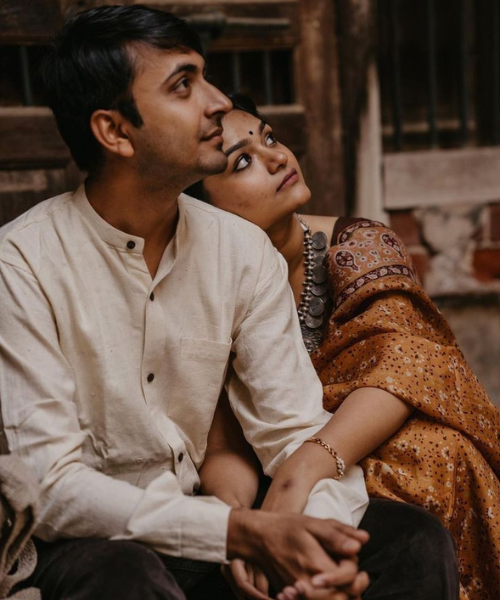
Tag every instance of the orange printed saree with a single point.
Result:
(385, 332)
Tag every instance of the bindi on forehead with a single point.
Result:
(250, 132)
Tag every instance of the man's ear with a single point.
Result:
(110, 129)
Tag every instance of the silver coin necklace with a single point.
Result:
(314, 305)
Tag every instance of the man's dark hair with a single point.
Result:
(240, 102)
(90, 67)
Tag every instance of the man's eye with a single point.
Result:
(242, 163)
(183, 84)
(270, 139)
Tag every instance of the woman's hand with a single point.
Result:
(246, 580)
(325, 587)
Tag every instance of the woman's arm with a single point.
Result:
(231, 469)
(366, 419)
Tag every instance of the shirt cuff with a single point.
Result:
(204, 529)
(344, 500)
(172, 523)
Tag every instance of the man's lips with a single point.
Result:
(289, 179)
(216, 133)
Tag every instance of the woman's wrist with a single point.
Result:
(294, 480)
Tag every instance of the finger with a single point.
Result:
(231, 572)
(290, 593)
(343, 575)
(238, 571)
(359, 585)
(261, 581)
(250, 574)
(241, 584)
(339, 539)
(249, 591)
(308, 592)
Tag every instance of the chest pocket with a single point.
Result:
(204, 365)
(204, 350)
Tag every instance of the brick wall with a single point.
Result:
(454, 249)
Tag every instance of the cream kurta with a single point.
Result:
(109, 379)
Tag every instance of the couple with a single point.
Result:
(122, 305)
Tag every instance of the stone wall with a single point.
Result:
(456, 251)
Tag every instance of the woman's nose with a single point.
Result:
(276, 159)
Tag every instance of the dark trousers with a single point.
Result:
(410, 556)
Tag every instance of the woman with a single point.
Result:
(405, 404)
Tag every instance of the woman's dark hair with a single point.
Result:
(90, 67)
(240, 102)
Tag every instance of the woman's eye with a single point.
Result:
(242, 163)
(270, 139)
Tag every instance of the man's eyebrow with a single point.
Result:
(184, 68)
(244, 142)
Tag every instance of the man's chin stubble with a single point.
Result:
(218, 165)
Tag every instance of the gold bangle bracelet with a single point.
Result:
(340, 463)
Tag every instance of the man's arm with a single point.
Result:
(42, 427)
(274, 390)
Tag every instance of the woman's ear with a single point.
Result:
(110, 130)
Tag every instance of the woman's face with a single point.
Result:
(263, 182)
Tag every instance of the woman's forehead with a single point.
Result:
(238, 123)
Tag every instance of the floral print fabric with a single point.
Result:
(385, 332)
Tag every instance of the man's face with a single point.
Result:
(180, 140)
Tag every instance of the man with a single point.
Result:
(120, 305)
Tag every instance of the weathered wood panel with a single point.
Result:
(237, 37)
(29, 138)
(318, 86)
(289, 126)
(22, 189)
(29, 22)
(441, 177)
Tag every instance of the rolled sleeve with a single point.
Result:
(273, 388)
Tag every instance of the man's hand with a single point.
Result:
(291, 547)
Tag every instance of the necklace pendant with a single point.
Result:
(314, 304)
(319, 240)
(316, 307)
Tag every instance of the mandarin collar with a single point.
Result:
(115, 237)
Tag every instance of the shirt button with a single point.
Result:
(180, 457)
(151, 296)
(131, 245)
(151, 376)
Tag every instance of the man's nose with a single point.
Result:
(218, 102)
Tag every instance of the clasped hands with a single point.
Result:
(249, 582)
(315, 560)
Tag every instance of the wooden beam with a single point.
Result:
(26, 22)
(29, 138)
(241, 37)
(441, 177)
(318, 83)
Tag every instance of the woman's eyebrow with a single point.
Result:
(237, 146)
(244, 142)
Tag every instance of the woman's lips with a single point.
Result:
(290, 178)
